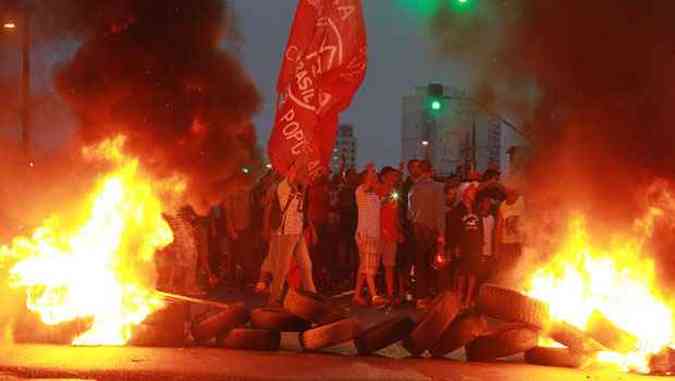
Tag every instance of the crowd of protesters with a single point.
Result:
(393, 236)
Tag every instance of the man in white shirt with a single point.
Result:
(509, 229)
(291, 194)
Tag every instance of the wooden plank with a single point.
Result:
(190, 299)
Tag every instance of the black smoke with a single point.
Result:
(155, 72)
(601, 118)
(601, 75)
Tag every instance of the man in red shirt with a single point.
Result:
(391, 232)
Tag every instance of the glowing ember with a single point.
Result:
(618, 282)
(98, 264)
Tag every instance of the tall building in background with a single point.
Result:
(441, 124)
(345, 148)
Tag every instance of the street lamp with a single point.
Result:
(425, 143)
(9, 25)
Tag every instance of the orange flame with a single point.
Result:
(98, 265)
(619, 282)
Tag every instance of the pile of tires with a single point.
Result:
(502, 323)
(532, 320)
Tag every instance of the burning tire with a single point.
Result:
(662, 363)
(436, 321)
(172, 317)
(559, 357)
(573, 338)
(211, 325)
(329, 335)
(310, 306)
(610, 335)
(506, 342)
(278, 319)
(461, 332)
(252, 339)
(510, 305)
(29, 328)
(383, 335)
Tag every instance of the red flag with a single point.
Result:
(323, 66)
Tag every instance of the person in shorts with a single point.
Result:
(391, 231)
(368, 240)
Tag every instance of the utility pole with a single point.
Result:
(474, 149)
(484, 109)
(26, 43)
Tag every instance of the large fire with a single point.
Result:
(617, 281)
(98, 265)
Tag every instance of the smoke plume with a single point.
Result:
(601, 114)
(153, 71)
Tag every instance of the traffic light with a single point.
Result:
(434, 101)
(462, 6)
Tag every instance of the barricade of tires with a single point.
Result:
(517, 322)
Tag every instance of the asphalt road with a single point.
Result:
(135, 363)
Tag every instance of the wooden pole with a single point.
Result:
(190, 299)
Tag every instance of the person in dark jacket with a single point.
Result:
(470, 239)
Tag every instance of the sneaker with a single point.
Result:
(379, 301)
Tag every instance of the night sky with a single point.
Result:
(400, 57)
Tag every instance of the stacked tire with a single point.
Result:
(427, 332)
(215, 324)
(535, 320)
(383, 335)
(516, 324)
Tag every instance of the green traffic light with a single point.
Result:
(436, 105)
(462, 1)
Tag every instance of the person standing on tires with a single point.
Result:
(290, 243)
(427, 215)
(368, 237)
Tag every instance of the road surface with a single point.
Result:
(135, 363)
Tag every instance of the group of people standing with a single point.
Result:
(426, 234)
